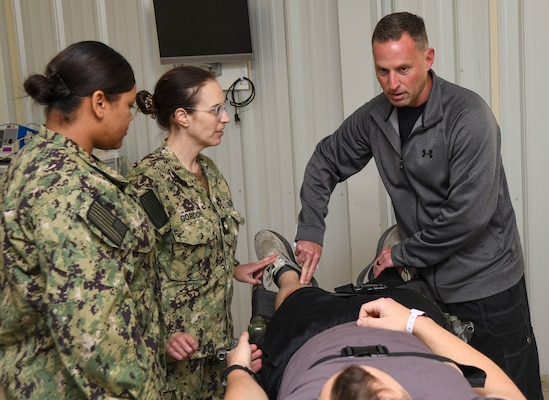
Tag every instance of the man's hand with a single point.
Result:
(252, 272)
(382, 261)
(245, 354)
(181, 345)
(307, 255)
(383, 313)
(240, 385)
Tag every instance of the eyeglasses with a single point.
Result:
(217, 110)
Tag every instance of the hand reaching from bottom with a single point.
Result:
(245, 354)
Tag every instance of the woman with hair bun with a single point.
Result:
(198, 226)
(78, 286)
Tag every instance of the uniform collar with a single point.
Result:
(76, 150)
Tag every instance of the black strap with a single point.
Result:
(367, 288)
(475, 376)
(231, 368)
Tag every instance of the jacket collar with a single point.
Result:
(433, 109)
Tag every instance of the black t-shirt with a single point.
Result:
(407, 117)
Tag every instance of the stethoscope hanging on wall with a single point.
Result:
(239, 104)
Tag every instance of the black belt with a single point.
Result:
(474, 375)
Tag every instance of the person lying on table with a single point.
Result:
(391, 351)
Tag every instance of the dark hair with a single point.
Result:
(77, 72)
(392, 26)
(177, 88)
(355, 383)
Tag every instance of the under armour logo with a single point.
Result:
(427, 153)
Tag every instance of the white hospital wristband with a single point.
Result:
(414, 313)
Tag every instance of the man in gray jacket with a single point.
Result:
(437, 149)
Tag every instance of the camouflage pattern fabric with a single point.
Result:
(197, 250)
(202, 379)
(79, 288)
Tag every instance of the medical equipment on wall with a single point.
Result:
(13, 137)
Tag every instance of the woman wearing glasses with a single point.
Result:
(190, 204)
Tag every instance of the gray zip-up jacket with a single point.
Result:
(447, 185)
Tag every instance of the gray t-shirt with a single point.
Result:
(423, 378)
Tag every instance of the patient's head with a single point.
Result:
(361, 382)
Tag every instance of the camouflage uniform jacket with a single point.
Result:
(81, 314)
(198, 246)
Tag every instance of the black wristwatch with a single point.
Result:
(230, 369)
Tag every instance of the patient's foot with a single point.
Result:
(267, 243)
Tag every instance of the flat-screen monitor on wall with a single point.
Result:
(203, 31)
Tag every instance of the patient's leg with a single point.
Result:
(288, 282)
(283, 274)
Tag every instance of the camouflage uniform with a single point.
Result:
(197, 256)
(78, 285)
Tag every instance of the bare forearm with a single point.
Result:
(443, 343)
(241, 386)
(242, 363)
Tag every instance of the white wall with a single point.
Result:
(535, 141)
(313, 67)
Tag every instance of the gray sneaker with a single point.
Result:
(267, 243)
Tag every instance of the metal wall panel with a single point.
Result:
(78, 20)
(37, 42)
(536, 142)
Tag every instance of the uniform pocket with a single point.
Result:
(194, 237)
